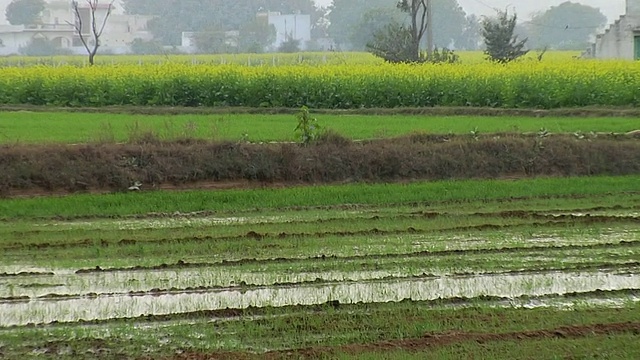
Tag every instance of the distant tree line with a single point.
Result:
(568, 26)
(212, 18)
(352, 24)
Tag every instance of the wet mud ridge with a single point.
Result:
(431, 340)
(180, 264)
(536, 219)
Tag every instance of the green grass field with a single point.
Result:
(403, 324)
(120, 204)
(61, 127)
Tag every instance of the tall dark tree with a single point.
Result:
(567, 26)
(24, 12)
(353, 22)
(417, 11)
(502, 45)
(400, 42)
(394, 44)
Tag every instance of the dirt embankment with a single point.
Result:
(155, 164)
(589, 111)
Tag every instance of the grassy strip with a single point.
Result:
(619, 346)
(331, 327)
(143, 225)
(53, 127)
(120, 204)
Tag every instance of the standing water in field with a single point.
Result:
(113, 306)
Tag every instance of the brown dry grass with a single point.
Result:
(334, 159)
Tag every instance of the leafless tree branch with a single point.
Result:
(95, 33)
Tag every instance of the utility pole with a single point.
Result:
(429, 30)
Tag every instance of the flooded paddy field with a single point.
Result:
(394, 281)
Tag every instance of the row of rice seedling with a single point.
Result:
(525, 84)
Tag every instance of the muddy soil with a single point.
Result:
(428, 341)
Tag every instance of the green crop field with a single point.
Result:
(188, 207)
(56, 127)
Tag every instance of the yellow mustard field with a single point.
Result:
(307, 58)
(525, 84)
(271, 59)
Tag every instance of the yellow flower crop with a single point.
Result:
(527, 83)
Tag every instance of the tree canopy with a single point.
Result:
(347, 19)
(502, 45)
(449, 23)
(354, 22)
(24, 12)
(567, 26)
(372, 22)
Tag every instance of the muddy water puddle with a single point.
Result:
(631, 214)
(39, 311)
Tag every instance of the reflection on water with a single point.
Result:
(185, 278)
(504, 285)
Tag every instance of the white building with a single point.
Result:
(52, 26)
(621, 40)
(55, 25)
(294, 26)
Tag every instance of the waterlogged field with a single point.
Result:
(536, 268)
(523, 84)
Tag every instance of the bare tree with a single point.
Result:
(95, 31)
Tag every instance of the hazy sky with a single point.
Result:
(611, 8)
